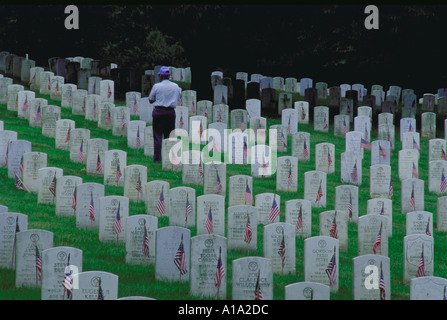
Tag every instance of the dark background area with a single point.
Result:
(324, 42)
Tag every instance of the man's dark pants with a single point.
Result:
(163, 122)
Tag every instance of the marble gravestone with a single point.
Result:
(373, 234)
(251, 276)
(135, 134)
(23, 103)
(384, 207)
(189, 100)
(182, 205)
(31, 163)
(47, 181)
(56, 87)
(113, 167)
(417, 248)
(307, 291)
(334, 224)
(347, 199)
(351, 168)
(412, 195)
(63, 133)
(9, 223)
(325, 157)
(428, 288)
(87, 205)
(207, 254)
(211, 215)
(204, 108)
(238, 144)
(93, 284)
(79, 144)
(171, 154)
(380, 152)
(379, 180)
(437, 177)
(67, 95)
(92, 102)
(14, 151)
(321, 261)
(96, 155)
(269, 207)
(181, 118)
(386, 132)
(220, 113)
(419, 222)
(301, 147)
(408, 161)
(107, 91)
(347, 108)
(279, 247)
(29, 244)
(437, 149)
(321, 119)
(240, 191)
(135, 177)
(284, 101)
(65, 192)
(172, 254)
(148, 141)
(192, 167)
(79, 101)
(353, 142)
(140, 239)
(56, 262)
(411, 140)
(156, 196)
(341, 125)
(5, 137)
(407, 125)
(120, 121)
(428, 125)
(289, 118)
(372, 262)
(35, 112)
(287, 174)
(50, 114)
(263, 161)
(299, 214)
(45, 82)
(242, 228)
(303, 111)
(114, 211)
(315, 188)
(278, 139)
(132, 99)
(13, 96)
(215, 178)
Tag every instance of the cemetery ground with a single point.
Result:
(140, 280)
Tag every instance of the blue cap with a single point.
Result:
(164, 71)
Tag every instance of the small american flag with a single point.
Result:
(180, 259)
(390, 193)
(83, 104)
(52, 186)
(412, 200)
(118, 173)
(299, 221)
(258, 292)
(443, 154)
(19, 182)
(174, 159)
(70, 99)
(274, 211)
(94, 87)
(38, 115)
(135, 106)
(331, 270)
(345, 127)
(193, 107)
(21, 165)
(282, 250)
(420, 272)
(223, 99)
(443, 182)
(378, 242)
(123, 122)
(283, 140)
(248, 232)
(100, 292)
(138, 185)
(138, 139)
(145, 241)
(161, 207)
(188, 209)
(382, 284)
(305, 150)
(109, 117)
(67, 283)
(218, 183)
(416, 145)
(117, 224)
(303, 113)
(91, 208)
(242, 123)
(427, 228)
(365, 144)
(73, 199)
(98, 164)
(248, 197)
(414, 171)
(325, 125)
(200, 171)
(333, 232)
(67, 137)
(354, 175)
(33, 79)
(319, 193)
(290, 181)
(410, 128)
(38, 263)
(220, 271)
(329, 159)
(209, 223)
(25, 104)
(206, 110)
(181, 122)
(381, 151)
(109, 91)
(95, 110)
(382, 211)
(350, 206)
(288, 125)
(81, 152)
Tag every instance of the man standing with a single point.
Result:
(165, 96)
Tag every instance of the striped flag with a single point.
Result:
(223, 99)
(242, 123)
(274, 211)
(416, 145)
(288, 125)
(248, 232)
(218, 183)
(18, 182)
(329, 159)
(109, 91)
(350, 206)
(325, 125)
(138, 139)
(209, 223)
(109, 117)
(412, 200)
(331, 270)
(52, 186)
(427, 228)
(382, 284)
(118, 172)
(206, 111)
(91, 208)
(33, 79)
(220, 271)
(193, 107)
(319, 193)
(283, 140)
(98, 164)
(181, 122)
(444, 156)
(123, 122)
(100, 292)
(83, 104)
(161, 207)
(290, 181)
(73, 199)
(21, 165)
(382, 211)
(94, 87)
(38, 115)
(299, 221)
(200, 171)
(67, 283)
(303, 113)
(25, 104)
(145, 241)
(258, 292)
(138, 185)
(282, 250)
(378, 242)
(345, 127)
(56, 90)
(38, 263)
(410, 128)
(333, 232)
(180, 259)
(117, 224)
(443, 182)
(95, 110)
(81, 152)
(67, 137)
(135, 105)
(390, 193)
(248, 197)
(305, 150)
(354, 175)
(414, 171)
(420, 272)
(364, 143)
(188, 209)
(381, 151)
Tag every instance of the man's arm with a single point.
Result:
(152, 95)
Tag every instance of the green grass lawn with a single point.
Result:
(140, 280)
